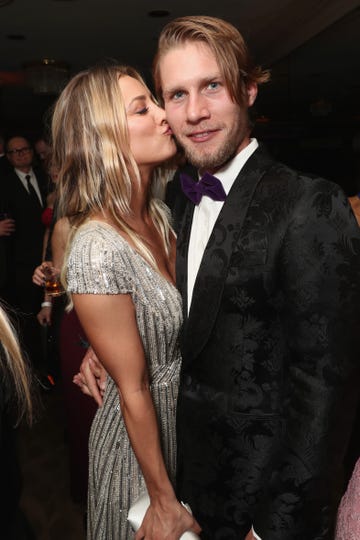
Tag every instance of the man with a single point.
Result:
(23, 195)
(270, 285)
(43, 152)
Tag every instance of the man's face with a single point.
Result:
(205, 121)
(19, 153)
(42, 149)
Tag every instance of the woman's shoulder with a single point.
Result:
(100, 243)
(98, 231)
(99, 260)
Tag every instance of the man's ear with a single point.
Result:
(252, 90)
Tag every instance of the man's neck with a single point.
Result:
(244, 143)
(24, 170)
(238, 158)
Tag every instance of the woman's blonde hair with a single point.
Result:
(91, 151)
(225, 42)
(14, 370)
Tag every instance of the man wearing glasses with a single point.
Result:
(22, 196)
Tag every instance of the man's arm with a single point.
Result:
(319, 268)
(91, 378)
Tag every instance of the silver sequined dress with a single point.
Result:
(102, 262)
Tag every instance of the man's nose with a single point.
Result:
(197, 108)
(160, 115)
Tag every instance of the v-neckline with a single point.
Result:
(157, 272)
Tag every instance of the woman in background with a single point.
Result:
(109, 136)
(354, 201)
(48, 212)
(15, 404)
(348, 519)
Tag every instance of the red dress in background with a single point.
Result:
(79, 408)
(46, 216)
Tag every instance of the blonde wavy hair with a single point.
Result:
(14, 369)
(91, 151)
(225, 42)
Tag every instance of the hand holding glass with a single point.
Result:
(53, 286)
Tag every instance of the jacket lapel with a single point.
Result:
(213, 270)
(182, 254)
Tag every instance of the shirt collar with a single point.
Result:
(22, 175)
(229, 172)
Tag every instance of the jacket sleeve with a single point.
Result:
(320, 280)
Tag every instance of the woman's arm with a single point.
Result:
(59, 240)
(109, 322)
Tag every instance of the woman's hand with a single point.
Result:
(92, 377)
(166, 521)
(38, 276)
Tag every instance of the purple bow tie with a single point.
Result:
(208, 185)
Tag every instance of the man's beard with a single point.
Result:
(211, 161)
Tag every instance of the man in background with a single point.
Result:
(22, 194)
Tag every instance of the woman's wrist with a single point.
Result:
(161, 491)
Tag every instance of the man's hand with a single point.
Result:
(7, 227)
(92, 377)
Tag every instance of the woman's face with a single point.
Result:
(151, 140)
(54, 173)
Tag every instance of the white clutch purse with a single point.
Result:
(137, 512)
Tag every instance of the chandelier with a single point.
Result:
(46, 76)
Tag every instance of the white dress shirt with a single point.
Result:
(207, 212)
(33, 181)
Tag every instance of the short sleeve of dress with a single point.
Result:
(99, 261)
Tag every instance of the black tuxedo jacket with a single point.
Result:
(5, 167)
(23, 248)
(270, 368)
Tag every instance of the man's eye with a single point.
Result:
(143, 111)
(177, 95)
(213, 85)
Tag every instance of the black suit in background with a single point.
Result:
(5, 167)
(270, 372)
(23, 254)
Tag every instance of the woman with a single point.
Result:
(15, 404)
(348, 519)
(354, 201)
(109, 136)
(47, 215)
